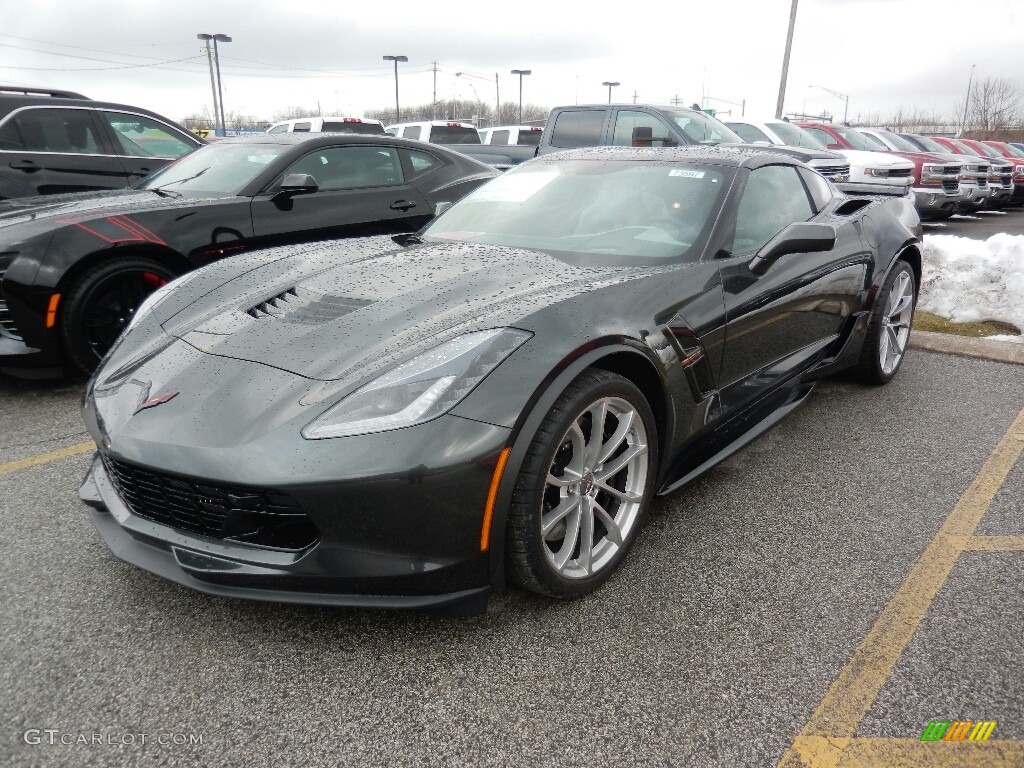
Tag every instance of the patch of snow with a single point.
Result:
(1006, 337)
(969, 281)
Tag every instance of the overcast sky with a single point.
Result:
(882, 53)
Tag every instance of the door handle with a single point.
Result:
(402, 205)
(25, 165)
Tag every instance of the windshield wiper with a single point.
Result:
(407, 238)
(164, 192)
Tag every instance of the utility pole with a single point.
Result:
(433, 104)
(780, 104)
(213, 80)
(634, 96)
(967, 101)
(676, 101)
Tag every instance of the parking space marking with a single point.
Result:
(44, 458)
(827, 740)
(912, 753)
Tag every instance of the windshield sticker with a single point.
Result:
(687, 174)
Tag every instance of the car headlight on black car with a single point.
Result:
(422, 389)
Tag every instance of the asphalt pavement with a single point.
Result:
(718, 643)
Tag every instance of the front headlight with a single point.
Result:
(881, 173)
(422, 389)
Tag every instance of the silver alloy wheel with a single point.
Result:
(594, 488)
(899, 310)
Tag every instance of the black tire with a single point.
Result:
(101, 302)
(870, 368)
(530, 559)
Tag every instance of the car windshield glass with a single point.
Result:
(701, 129)
(216, 170)
(900, 143)
(931, 146)
(1013, 150)
(336, 126)
(964, 148)
(990, 151)
(447, 134)
(607, 213)
(854, 138)
(794, 136)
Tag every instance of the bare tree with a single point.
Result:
(994, 107)
(291, 113)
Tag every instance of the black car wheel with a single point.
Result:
(101, 303)
(889, 327)
(584, 488)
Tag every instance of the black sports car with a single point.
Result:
(73, 268)
(372, 423)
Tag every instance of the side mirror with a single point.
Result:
(299, 184)
(442, 207)
(800, 237)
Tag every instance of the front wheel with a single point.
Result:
(584, 488)
(885, 343)
(102, 302)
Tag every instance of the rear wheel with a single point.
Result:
(584, 488)
(889, 327)
(102, 302)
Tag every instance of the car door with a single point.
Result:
(362, 191)
(50, 150)
(144, 145)
(780, 321)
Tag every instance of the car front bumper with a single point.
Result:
(406, 537)
(932, 200)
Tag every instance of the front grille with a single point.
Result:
(952, 169)
(900, 173)
(1007, 177)
(243, 514)
(834, 172)
(983, 181)
(950, 185)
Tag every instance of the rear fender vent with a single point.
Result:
(305, 308)
(850, 207)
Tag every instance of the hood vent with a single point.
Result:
(306, 308)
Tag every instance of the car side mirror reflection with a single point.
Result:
(299, 184)
(799, 237)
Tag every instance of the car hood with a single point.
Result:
(51, 211)
(364, 305)
(863, 157)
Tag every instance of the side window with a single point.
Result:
(749, 133)
(499, 137)
(301, 127)
(820, 189)
(142, 137)
(578, 129)
(350, 167)
(412, 132)
(68, 131)
(421, 162)
(774, 198)
(826, 138)
(638, 129)
(10, 137)
(283, 128)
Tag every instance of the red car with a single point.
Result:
(1015, 156)
(1000, 174)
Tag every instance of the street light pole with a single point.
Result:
(220, 89)
(396, 59)
(610, 86)
(521, 72)
(967, 101)
(779, 105)
(213, 81)
(838, 95)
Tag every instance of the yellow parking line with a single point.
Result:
(43, 458)
(993, 544)
(905, 753)
(829, 733)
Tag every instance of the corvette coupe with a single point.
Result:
(74, 268)
(414, 421)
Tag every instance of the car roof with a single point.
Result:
(12, 101)
(734, 155)
(317, 138)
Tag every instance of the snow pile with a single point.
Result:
(969, 281)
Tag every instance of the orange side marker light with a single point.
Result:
(492, 495)
(51, 310)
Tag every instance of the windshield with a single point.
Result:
(794, 136)
(216, 170)
(929, 146)
(878, 143)
(447, 134)
(964, 149)
(900, 143)
(607, 213)
(360, 128)
(854, 138)
(701, 129)
(1013, 150)
(990, 151)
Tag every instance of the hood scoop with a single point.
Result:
(304, 307)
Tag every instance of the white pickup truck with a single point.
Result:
(512, 135)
